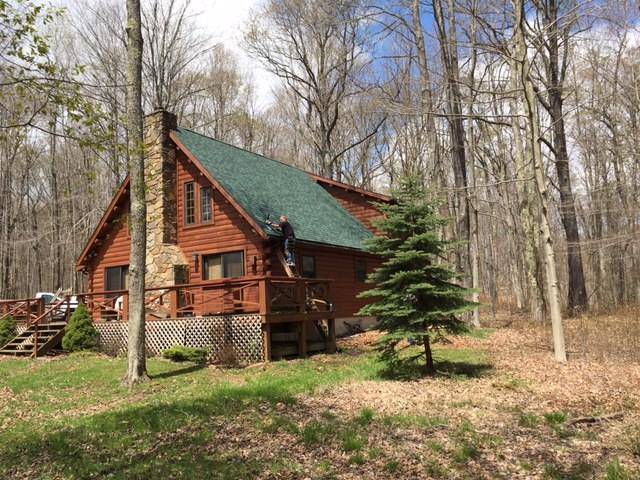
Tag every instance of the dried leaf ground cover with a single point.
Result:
(500, 408)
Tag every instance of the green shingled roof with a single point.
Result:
(266, 189)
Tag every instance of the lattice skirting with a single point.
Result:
(230, 339)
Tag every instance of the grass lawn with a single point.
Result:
(337, 416)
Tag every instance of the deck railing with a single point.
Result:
(59, 310)
(23, 310)
(276, 299)
(265, 295)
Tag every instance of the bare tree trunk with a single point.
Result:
(430, 369)
(577, 293)
(57, 257)
(531, 112)
(472, 194)
(449, 50)
(426, 94)
(137, 370)
(529, 213)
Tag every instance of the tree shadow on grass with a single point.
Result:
(181, 371)
(458, 369)
(162, 439)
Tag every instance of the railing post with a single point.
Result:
(125, 307)
(173, 298)
(35, 341)
(263, 296)
(301, 295)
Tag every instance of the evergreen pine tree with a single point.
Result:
(415, 298)
(80, 334)
(8, 330)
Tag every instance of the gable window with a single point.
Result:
(206, 210)
(361, 270)
(308, 266)
(189, 203)
(116, 278)
(223, 265)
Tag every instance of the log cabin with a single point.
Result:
(211, 253)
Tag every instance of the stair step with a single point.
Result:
(23, 344)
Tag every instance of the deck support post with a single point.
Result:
(331, 337)
(302, 339)
(266, 341)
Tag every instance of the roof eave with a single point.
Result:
(345, 186)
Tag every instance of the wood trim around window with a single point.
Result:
(185, 212)
(220, 252)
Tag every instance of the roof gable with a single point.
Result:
(120, 196)
(265, 189)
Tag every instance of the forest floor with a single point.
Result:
(499, 408)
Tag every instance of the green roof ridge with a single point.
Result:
(279, 162)
(268, 189)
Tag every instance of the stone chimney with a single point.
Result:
(166, 263)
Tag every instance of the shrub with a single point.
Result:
(179, 353)
(80, 334)
(8, 330)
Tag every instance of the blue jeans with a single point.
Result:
(289, 244)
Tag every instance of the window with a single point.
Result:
(189, 203)
(361, 270)
(116, 278)
(224, 265)
(308, 266)
(47, 298)
(206, 210)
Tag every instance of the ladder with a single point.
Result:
(291, 271)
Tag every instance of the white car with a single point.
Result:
(51, 299)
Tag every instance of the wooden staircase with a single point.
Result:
(296, 340)
(36, 340)
(42, 334)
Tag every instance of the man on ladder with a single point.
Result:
(288, 237)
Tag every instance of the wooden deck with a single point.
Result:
(283, 303)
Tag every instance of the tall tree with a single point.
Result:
(445, 19)
(319, 49)
(137, 369)
(534, 136)
(558, 19)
